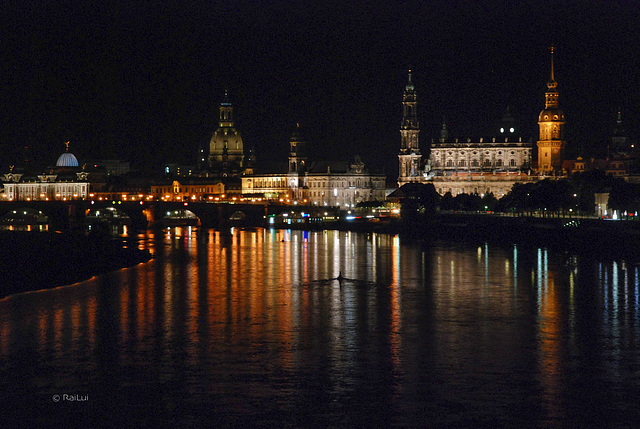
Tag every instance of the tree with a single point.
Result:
(446, 202)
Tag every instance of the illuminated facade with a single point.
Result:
(487, 165)
(64, 182)
(45, 187)
(187, 189)
(492, 166)
(483, 165)
(551, 121)
(318, 183)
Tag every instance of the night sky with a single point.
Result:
(141, 80)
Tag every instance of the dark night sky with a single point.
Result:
(141, 80)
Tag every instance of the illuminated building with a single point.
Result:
(478, 167)
(317, 183)
(551, 121)
(187, 189)
(66, 181)
(484, 165)
(481, 166)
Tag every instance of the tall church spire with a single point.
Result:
(551, 96)
(552, 78)
(409, 157)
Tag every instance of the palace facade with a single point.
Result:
(66, 181)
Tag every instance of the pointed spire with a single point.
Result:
(444, 133)
(552, 48)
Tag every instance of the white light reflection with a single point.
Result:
(636, 292)
(626, 287)
(540, 277)
(486, 264)
(515, 269)
(614, 290)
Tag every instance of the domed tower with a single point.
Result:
(507, 126)
(409, 157)
(551, 121)
(226, 150)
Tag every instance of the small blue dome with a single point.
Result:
(67, 160)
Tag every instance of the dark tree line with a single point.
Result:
(565, 197)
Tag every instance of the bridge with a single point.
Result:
(63, 215)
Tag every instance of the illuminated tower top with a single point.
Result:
(551, 96)
(409, 111)
(552, 126)
(552, 112)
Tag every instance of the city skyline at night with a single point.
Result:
(144, 82)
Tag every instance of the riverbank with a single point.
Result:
(583, 235)
(38, 260)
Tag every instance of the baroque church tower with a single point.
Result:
(226, 151)
(551, 121)
(297, 163)
(409, 157)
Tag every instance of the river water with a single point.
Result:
(251, 329)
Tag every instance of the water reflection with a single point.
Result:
(250, 326)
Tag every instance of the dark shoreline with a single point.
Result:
(579, 235)
(43, 260)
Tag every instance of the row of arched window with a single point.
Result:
(462, 163)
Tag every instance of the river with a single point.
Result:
(252, 329)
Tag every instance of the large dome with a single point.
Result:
(67, 160)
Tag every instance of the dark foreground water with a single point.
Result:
(250, 330)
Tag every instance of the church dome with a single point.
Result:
(67, 159)
(551, 114)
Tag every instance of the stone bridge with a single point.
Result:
(68, 214)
